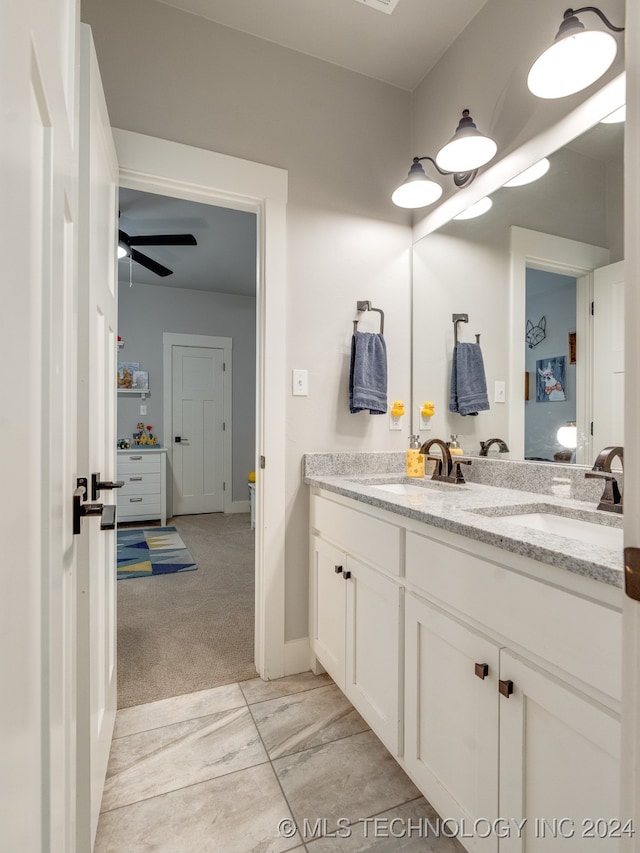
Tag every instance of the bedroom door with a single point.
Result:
(198, 429)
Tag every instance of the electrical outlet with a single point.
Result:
(499, 392)
(143, 409)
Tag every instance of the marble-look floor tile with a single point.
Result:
(150, 763)
(348, 779)
(238, 813)
(257, 690)
(164, 712)
(296, 722)
(404, 828)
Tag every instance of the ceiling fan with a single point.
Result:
(126, 245)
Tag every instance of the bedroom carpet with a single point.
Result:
(190, 631)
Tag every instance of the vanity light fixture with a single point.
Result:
(122, 252)
(568, 435)
(468, 148)
(576, 59)
(476, 209)
(417, 190)
(530, 175)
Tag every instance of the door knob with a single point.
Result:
(97, 485)
(107, 512)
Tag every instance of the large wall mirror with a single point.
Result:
(526, 273)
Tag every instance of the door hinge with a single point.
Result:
(224, 426)
(591, 428)
(224, 487)
(592, 309)
(263, 462)
(224, 363)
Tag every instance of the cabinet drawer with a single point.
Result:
(366, 537)
(140, 484)
(138, 501)
(139, 463)
(573, 633)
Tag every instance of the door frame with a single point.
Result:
(169, 168)
(175, 339)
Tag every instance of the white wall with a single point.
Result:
(344, 140)
(145, 311)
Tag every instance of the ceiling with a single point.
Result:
(224, 261)
(398, 48)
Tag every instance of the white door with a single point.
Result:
(198, 425)
(97, 314)
(38, 216)
(608, 356)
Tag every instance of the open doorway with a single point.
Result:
(187, 323)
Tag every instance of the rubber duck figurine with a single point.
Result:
(428, 409)
(397, 410)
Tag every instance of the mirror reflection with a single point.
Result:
(526, 273)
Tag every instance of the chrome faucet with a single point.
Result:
(445, 470)
(612, 499)
(485, 445)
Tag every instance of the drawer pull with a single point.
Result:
(338, 569)
(482, 670)
(346, 575)
(135, 457)
(135, 479)
(505, 688)
(135, 500)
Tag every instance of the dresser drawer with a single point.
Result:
(140, 484)
(139, 464)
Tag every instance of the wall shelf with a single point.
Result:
(135, 391)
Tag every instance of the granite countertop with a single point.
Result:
(480, 512)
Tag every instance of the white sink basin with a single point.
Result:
(401, 488)
(589, 532)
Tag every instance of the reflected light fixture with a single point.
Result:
(122, 252)
(468, 148)
(529, 175)
(568, 435)
(476, 209)
(616, 117)
(417, 190)
(576, 59)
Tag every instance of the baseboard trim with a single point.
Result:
(240, 506)
(297, 656)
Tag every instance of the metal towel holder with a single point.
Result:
(365, 305)
(460, 318)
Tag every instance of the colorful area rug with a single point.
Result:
(143, 553)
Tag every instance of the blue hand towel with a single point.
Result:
(468, 382)
(368, 373)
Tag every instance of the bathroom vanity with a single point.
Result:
(484, 652)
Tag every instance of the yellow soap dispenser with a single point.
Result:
(415, 459)
(454, 446)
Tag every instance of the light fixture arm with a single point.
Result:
(569, 13)
(460, 179)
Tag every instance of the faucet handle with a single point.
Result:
(457, 473)
(611, 499)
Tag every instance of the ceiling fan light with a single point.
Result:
(468, 149)
(528, 176)
(417, 190)
(577, 58)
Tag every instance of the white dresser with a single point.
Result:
(144, 494)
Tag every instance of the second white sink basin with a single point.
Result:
(588, 532)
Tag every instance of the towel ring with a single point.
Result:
(366, 306)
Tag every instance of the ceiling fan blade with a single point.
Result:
(163, 240)
(149, 263)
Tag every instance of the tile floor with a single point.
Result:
(258, 766)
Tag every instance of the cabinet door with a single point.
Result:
(451, 716)
(373, 650)
(327, 608)
(559, 764)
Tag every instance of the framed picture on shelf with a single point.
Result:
(126, 369)
(140, 380)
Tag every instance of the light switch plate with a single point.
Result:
(300, 383)
(143, 409)
(499, 392)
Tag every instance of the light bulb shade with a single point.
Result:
(575, 60)
(568, 435)
(476, 209)
(122, 252)
(468, 149)
(417, 190)
(529, 175)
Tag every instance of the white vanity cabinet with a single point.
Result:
(143, 495)
(356, 625)
(512, 697)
